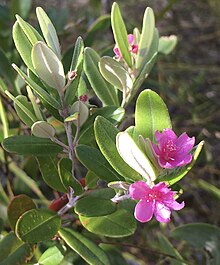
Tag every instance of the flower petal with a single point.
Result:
(131, 39)
(144, 211)
(139, 190)
(185, 143)
(165, 136)
(162, 213)
(175, 205)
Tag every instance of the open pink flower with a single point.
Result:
(158, 200)
(133, 47)
(173, 151)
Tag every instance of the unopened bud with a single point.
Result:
(83, 98)
(72, 75)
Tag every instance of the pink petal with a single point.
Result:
(130, 39)
(155, 149)
(162, 187)
(181, 159)
(175, 205)
(117, 52)
(166, 135)
(185, 143)
(139, 190)
(162, 213)
(144, 211)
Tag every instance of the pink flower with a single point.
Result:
(133, 49)
(173, 151)
(158, 200)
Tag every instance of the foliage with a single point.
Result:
(87, 160)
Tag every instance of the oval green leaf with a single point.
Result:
(151, 114)
(37, 225)
(89, 251)
(66, 177)
(19, 205)
(167, 44)
(111, 113)
(201, 235)
(115, 73)
(120, 33)
(105, 133)
(93, 160)
(43, 129)
(39, 90)
(48, 66)
(30, 145)
(14, 251)
(48, 30)
(52, 256)
(77, 66)
(146, 37)
(91, 206)
(118, 224)
(134, 157)
(49, 172)
(104, 91)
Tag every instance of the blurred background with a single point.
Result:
(188, 80)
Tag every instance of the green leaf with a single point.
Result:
(178, 173)
(105, 134)
(66, 177)
(151, 114)
(101, 24)
(89, 251)
(37, 225)
(24, 35)
(200, 235)
(118, 224)
(19, 205)
(30, 145)
(4, 120)
(83, 111)
(93, 160)
(120, 33)
(32, 35)
(49, 171)
(48, 30)
(52, 256)
(40, 91)
(167, 44)
(43, 129)
(14, 251)
(91, 180)
(48, 66)
(167, 247)
(90, 206)
(77, 66)
(105, 92)
(111, 113)
(23, 108)
(115, 73)
(146, 36)
(134, 157)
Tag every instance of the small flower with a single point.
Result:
(172, 151)
(133, 47)
(158, 200)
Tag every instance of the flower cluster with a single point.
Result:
(171, 152)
